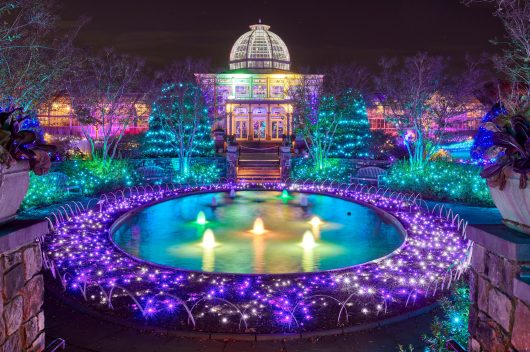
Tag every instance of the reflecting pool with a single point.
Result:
(257, 232)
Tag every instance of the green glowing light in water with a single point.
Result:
(201, 218)
(285, 194)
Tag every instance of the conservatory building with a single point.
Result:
(251, 100)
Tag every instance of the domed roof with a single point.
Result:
(260, 48)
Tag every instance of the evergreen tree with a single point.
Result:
(352, 136)
(179, 125)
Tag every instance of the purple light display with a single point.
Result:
(92, 270)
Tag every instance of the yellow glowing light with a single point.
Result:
(208, 239)
(315, 221)
(201, 218)
(308, 241)
(259, 227)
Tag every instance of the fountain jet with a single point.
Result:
(308, 241)
(285, 194)
(208, 239)
(315, 221)
(201, 218)
(232, 193)
(259, 227)
(214, 202)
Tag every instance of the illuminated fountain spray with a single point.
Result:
(303, 200)
(232, 193)
(308, 241)
(285, 194)
(259, 227)
(214, 202)
(315, 221)
(208, 239)
(201, 218)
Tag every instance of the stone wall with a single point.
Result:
(22, 318)
(499, 317)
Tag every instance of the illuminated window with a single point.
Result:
(242, 91)
(277, 91)
(259, 91)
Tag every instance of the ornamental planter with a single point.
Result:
(513, 203)
(14, 184)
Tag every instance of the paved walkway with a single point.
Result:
(87, 334)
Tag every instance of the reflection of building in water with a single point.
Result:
(251, 100)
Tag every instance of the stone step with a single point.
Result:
(253, 172)
(261, 164)
(258, 156)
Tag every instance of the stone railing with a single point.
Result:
(22, 317)
(499, 316)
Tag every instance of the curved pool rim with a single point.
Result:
(382, 213)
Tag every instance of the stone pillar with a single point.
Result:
(499, 316)
(219, 139)
(232, 156)
(268, 130)
(285, 162)
(21, 314)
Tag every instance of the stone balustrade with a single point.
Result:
(499, 317)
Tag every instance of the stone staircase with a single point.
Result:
(258, 162)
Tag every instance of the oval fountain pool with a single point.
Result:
(257, 232)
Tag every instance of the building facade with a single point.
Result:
(252, 101)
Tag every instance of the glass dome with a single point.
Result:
(260, 48)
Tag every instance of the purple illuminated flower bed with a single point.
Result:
(95, 273)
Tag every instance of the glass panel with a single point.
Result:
(277, 129)
(259, 91)
(241, 129)
(244, 132)
(259, 129)
(277, 91)
(238, 129)
(242, 91)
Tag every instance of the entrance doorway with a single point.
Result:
(242, 129)
(277, 129)
(259, 128)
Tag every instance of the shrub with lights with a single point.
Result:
(453, 324)
(441, 180)
(334, 169)
(483, 139)
(179, 125)
(84, 177)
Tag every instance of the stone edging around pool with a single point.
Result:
(384, 214)
(234, 336)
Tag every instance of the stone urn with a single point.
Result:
(14, 183)
(513, 204)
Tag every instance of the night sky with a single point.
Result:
(317, 33)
